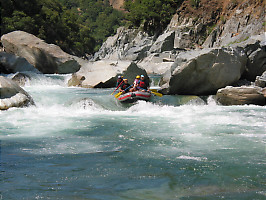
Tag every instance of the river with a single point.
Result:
(82, 144)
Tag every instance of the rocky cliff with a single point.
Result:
(214, 23)
(220, 40)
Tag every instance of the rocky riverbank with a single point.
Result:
(197, 54)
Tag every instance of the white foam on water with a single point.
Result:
(51, 80)
(183, 157)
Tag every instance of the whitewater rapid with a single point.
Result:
(82, 143)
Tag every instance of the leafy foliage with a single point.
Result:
(80, 26)
(153, 14)
(77, 26)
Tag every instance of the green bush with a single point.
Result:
(154, 15)
(77, 26)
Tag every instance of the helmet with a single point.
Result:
(125, 79)
(119, 77)
(137, 76)
(142, 76)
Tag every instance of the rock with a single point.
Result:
(241, 25)
(261, 80)
(157, 63)
(164, 42)
(127, 44)
(47, 58)
(13, 63)
(204, 72)
(21, 78)
(185, 32)
(3, 69)
(103, 74)
(256, 63)
(11, 95)
(263, 91)
(240, 95)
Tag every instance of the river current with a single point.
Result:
(81, 143)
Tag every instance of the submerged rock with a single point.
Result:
(11, 95)
(241, 95)
(103, 74)
(21, 78)
(47, 58)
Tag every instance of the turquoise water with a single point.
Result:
(82, 144)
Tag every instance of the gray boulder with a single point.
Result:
(157, 63)
(13, 63)
(164, 42)
(47, 58)
(241, 95)
(204, 72)
(11, 95)
(256, 63)
(103, 74)
(261, 80)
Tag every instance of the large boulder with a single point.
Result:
(13, 63)
(241, 95)
(204, 72)
(47, 58)
(256, 63)
(11, 95)
(158, 63)
(103, 74)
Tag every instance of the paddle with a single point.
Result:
(117, 87)
(154, 91)
(157, 94)
(119, 93)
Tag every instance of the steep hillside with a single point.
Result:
(220, 22)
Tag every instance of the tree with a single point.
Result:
(153, 14)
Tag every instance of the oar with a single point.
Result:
(153, 91)
(157, 94)
(119, 93)
(117, 87)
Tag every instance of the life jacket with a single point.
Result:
(142, 84)
(125, 86)
(136, 81)
(119, 81)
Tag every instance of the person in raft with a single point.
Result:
(125, 86)
(135, 84)
(119, 80)
(143, 85)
